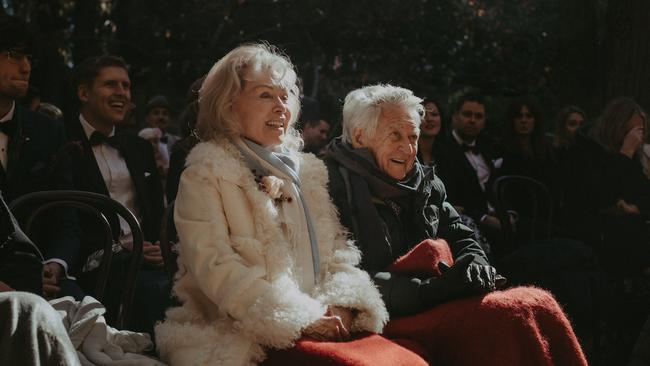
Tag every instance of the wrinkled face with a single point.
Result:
(394, 142)
(431, 122)
(315, 135)
(15, 68)
(573, 123)
(524, 122)
(108, 100)
(157, 117)
(262, 109)
(469, 121)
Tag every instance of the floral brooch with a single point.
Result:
(272, 185)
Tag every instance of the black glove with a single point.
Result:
(463, 279)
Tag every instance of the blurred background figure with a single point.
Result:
(158, 115)
(315, 134)
(525, 149)
(567, 123)
(429, 129)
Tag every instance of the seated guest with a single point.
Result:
(468, 165)
(263, 258)
(430, 129)
(624, 197)
(525, 149)
(567, 123)
(121, 166)
(390, 203)
(32, 331)
(157, 115)
(29, 142)
(315, 134)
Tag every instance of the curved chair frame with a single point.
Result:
(98, 205)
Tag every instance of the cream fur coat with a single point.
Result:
(236, 281)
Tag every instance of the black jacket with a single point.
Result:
(463, 187)
(34, 164)
(401, 293)
(139, 158)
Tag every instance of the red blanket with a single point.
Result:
(519, 326)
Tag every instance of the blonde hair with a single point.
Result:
(362, 107)
(225, 81)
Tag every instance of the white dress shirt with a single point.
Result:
(477, 161)
(117, 179)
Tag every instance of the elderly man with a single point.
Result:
(393, 206)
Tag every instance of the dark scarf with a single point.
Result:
(364, 180)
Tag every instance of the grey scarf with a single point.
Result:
(283, 162)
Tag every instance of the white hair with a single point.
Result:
(226, 80)
(363, 106)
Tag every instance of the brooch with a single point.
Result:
(272, 185)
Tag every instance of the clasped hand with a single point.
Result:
(333, 326)
(464, 278)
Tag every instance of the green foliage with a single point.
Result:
(434, 47)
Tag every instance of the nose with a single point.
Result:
(280, 106)
(25, 65)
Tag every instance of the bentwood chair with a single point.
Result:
(33, 205)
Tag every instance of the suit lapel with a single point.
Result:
(15, 146)
(134, 164)
(91, 177)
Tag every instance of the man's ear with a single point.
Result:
(82, 93)
(358, 138)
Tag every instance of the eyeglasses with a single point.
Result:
(16, 57)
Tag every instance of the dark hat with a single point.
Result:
(15, 34)
(158, 101)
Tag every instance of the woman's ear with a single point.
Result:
(358, 138)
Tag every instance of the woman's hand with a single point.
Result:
(632, 141)
(329, 327)
(346, 314)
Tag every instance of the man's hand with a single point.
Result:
(464, 278)
(632, 141)
(51, 273)
(329, 327)
(152, 254)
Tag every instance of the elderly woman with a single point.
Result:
(391, 203)
(263, 259)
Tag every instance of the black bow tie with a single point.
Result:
(9, 127)
(98, 138)
(164, 139)
(472, 148)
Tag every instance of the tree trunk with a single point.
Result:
(626, 51)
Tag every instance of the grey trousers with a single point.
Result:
(32, 333)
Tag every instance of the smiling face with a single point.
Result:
(106, 101)
(524, 122)
(14, 75)
(262, 109)
(431, 122)
(394, 142)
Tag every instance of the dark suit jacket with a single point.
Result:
(459, 177)
(34, 164)
(138, 154)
